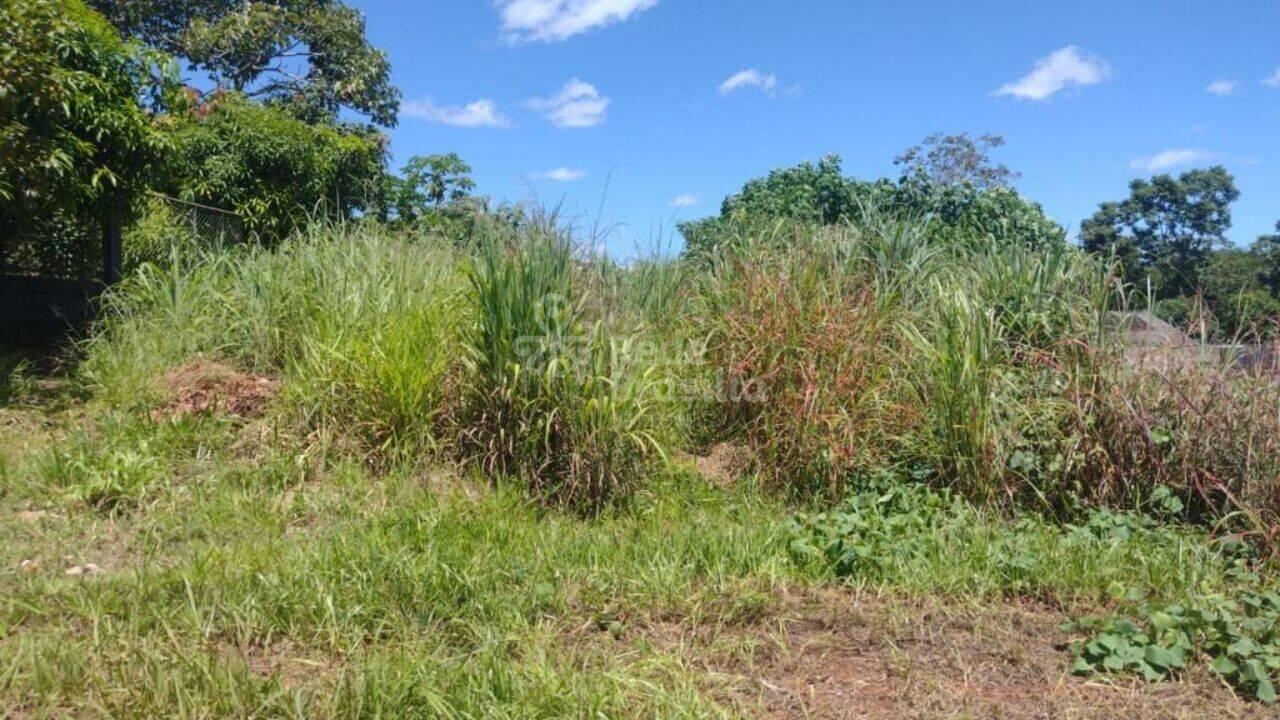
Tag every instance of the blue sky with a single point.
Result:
(640, 113)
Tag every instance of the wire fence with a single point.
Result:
(208, 225)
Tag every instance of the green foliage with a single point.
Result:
(309, 55)
(1166, 228)
(553, 396)
(956, 213)
(112, 470)
(78, 146)
(956, 159)
(157, 236)
(1239, 635)
(893, 531)
(1267, 248)
(434, 180)
(277, 172)
(432, 194)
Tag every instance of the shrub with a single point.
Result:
(274, 170)
(1180, 419)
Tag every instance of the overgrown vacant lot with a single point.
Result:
(372, 476)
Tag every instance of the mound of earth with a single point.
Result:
(206, 387)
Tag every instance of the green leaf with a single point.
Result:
(1163, 658)
(1224, 666)
(1266, 692)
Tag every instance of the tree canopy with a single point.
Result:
(955, 159)
(820, 194)
(311, 55)
(75, 144)
(273, 169)
(428, 183)
(1166, 228)
(1267, 248)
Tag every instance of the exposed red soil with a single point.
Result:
(205, 387)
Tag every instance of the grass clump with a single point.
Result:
(553, 396)
(804, 355)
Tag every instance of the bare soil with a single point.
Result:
(838, 654)
(205, 387)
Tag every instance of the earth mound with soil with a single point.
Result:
(206, 387)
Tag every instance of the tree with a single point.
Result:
(1232, 286)
(821, 195)
(1167, 227)
(426, 184)
(311, 55)
(956, 159)
(1267, 248)
(76, 147)
(275, 170)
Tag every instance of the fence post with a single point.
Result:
(112, 251)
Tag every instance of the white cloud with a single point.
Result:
(749, 78)
(554, 20)
(560, 174)
(1222, 88)
(1274, 80)
(481, 113)
(1062, 68)
(578, 105)
(1171, 159)
(684, 200)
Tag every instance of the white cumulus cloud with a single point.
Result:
(481, 113)
(1222, 88)
(1060, 69)
(578, 105)
(560, 174)
(555, 20)
(749, 78)
(1274, 80)
(684, 200)
(1169, 159)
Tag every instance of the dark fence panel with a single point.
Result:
(32, 307)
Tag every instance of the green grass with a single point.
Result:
(286, 585)
(392, 536)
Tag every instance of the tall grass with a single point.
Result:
(361, 325)
(984, 365)
(804, 353)
(553, 395)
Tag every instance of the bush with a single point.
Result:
(820, 196)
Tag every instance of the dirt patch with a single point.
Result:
(841, 655)
(288, 664)
(722, 464)
(205, 387)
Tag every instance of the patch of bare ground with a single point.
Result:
(724, 463)
(291, 666)
(206, 387)
(840, 654)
